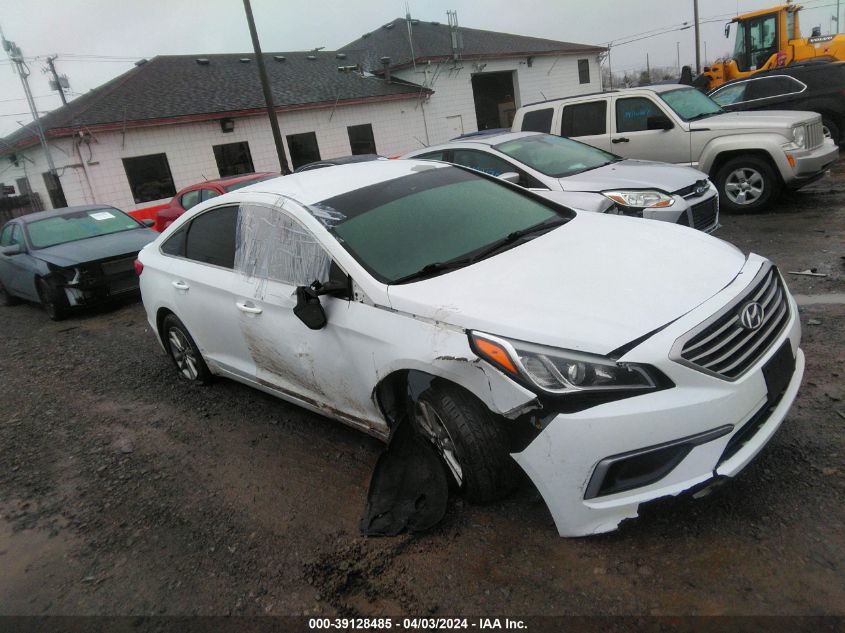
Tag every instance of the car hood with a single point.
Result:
(633, 174)
(755, 121)
(95, 248)
(594, 284)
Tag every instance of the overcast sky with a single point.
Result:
(132, 29)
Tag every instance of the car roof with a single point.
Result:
(310, 187)
(651, 87)
(481, 139)
(789, 71)
(229, 180)
(43, 215)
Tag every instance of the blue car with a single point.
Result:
(71, 257)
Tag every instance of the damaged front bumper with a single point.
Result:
(595, 467)
(93, 284)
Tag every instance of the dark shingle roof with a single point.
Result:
(433, 41)
(172, 86)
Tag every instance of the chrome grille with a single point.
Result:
(704, 214)
(722, 346)
(815, 135)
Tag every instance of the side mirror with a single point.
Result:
(308, 308)
(148, 223)
(659, 122)
(14, 249)
(510, 176)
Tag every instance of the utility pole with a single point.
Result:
(265, 86)
(609, 65)
(678, 48)
(16, 57)
(50, 61)
(697, 37)
(838, 16)
(647, 68)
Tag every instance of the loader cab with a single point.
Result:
(756, 41)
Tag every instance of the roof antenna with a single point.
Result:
(410, 35)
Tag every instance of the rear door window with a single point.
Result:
(208, 194)
(771, 87)
(584, 119)
(190, 199)
(211, 237)
(538, 120)
(632, 114)
(730, 94)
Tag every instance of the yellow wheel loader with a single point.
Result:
(768, 39)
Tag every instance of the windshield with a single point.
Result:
(690, 104)
(554, 155)
(397, 227)
(79, 225)
(247, 183)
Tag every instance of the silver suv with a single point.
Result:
(750, 156)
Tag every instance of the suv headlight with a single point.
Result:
(560, 371)
(799, 135)
(641, 199)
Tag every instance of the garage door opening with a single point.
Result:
(495, 103)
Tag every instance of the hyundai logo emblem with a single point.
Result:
(751, 316)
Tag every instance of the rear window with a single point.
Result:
(538, 120)
(79, 225)
(211, 237)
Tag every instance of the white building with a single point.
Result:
(176, 120)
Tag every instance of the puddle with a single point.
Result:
(836, 298)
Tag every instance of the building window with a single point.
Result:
(361, 139)
(584, 71)
(54, 189)
(233, 159)
(149, 177)
(303, 149)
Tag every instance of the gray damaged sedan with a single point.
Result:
(76, 256)
(580, 176)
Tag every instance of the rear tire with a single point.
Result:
(747, 184)
(53, 300)
(5, 298)
(183, 351)
(472, 442)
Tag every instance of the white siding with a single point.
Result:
(546, 78)
(188, 147)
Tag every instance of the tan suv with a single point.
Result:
(750, 156)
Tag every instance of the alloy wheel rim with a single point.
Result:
(183, 354)
(744, 186)
(437, 433)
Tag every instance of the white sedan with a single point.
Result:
(579, 175)
(616, 361)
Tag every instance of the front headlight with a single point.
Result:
(559, 371)
(799, 135)
(641, 199)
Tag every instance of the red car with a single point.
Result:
(193, 195)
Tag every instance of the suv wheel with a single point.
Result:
(472, 441)
(831, 130)
(5, 298)
(747, 183)
(183, 351)
(52, 299)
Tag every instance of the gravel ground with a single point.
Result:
(126, 491)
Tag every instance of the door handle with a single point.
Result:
(180, 285)
(248, 308)
(621, 139)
